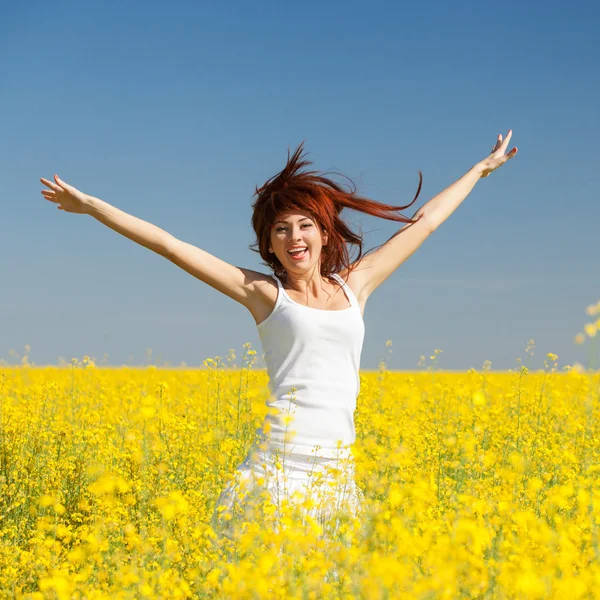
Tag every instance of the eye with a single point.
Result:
(303, 225)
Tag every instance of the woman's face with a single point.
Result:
(297, 230)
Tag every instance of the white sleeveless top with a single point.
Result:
(317, 353)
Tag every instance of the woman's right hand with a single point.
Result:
(68, 198)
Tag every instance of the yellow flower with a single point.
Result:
(518, 461)
(479, 399)
(395, 495)
(76, 555)
(109, 483)
(60, 582)
(47, 500)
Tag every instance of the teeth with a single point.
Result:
(296, 251)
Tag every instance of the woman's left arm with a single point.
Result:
(440, 207)
(378, 265)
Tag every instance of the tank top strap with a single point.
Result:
(281, 293)
(349, 292)
(279, 285)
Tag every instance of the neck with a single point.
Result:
(310, 280)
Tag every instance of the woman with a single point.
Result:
(309, 318)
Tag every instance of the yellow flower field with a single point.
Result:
(476, 485)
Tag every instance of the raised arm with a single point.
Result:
(233, 281)
(377, 266)
(72, 200)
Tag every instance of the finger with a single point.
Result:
(62, 183)
(497, 144)
(509, 155)
(506, 140)
(50, 184)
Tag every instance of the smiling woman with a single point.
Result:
(308, 308)
(312, 338)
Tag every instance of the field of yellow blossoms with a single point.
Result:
(476, 485)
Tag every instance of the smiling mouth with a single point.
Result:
(298, 254)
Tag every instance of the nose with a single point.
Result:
(296, 234)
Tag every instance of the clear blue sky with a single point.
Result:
(174, 112)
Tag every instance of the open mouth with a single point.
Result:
(298, 254)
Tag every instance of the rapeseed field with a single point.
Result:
(476, 485)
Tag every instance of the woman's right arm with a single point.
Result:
(141, 232)
(233, 281)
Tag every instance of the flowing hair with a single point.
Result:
(293, 190)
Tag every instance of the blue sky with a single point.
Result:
(175, 112)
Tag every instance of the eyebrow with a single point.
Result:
(286, 222)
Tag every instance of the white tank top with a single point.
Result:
(317, 353)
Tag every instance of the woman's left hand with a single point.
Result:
(497, 156)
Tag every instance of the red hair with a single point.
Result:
(292, 190)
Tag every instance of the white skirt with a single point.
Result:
(268, 474)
